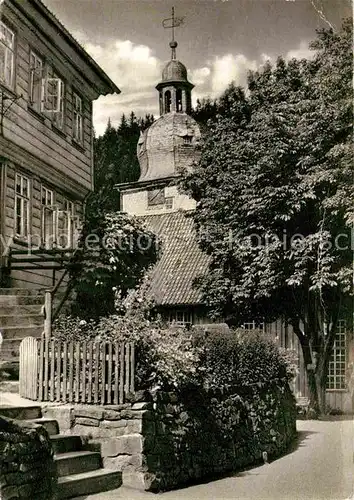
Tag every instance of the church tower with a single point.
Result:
(168, 146)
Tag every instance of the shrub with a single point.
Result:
(223, 361)
(240, 358)
(165, 355)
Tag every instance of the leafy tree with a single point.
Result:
(115, 249)
(114, 254)
(274, 198)
(115, 152)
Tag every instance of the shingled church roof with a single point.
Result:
(181, 262)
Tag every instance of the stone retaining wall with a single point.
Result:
(26, 461)
(169, 441)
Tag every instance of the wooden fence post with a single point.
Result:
(48, 314)
(74, 372)
(28, 387)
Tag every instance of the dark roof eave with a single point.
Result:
(111, 86)
(179, 304)
(165, 83)
(140, 184)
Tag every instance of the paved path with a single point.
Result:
(320, 468)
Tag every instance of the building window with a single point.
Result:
(187, 140)
(22, 203)
(253, 325)
(179, 100)
(169, 202)
(156, 197)
(58, 116)
(52, 99)
(167, 101)
(49, 218)
(36, 74)
(7, 55)
(338, 361)
(69, 225)
(180, 317)
(77, 118)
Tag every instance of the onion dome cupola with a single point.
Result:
(172, 142)
(174, 88)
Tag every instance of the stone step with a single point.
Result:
(14, 300)
(62, 443)
(21, 309)
(87, 483)
(50, 425)
(20, 332)
(11, 386)
(21, 412)
(20, 320)
(76, 462)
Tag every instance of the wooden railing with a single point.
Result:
(76, 372)
(46, 259)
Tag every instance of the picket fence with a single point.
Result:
(76, 372)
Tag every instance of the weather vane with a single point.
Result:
(172, 23)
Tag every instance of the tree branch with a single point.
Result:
(322, 15)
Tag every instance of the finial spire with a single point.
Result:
(172, 23)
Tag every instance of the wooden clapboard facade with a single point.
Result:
(47, 85)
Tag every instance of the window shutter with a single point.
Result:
(51, 95)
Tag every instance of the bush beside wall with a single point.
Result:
(26, 461)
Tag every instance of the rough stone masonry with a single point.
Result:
(162, 443)
(26, 461)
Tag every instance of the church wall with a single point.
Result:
(135, 202)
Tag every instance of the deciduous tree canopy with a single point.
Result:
(274, 191)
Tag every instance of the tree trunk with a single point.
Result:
(316, 377)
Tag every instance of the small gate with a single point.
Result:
(76, 372)
(29, 368)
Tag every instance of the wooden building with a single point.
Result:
(48, 83)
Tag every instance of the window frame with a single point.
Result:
(156, 193)
(70, 224)
(58, 116)
(337, 365)
(12, 49)
(169, 202)
(36, 105)
(49, 207)
(254, 325)
(24, 201)
(78, 118)
(180, 317)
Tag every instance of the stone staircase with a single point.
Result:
(79, 471)
(20, 317)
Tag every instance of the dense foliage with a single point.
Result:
(274, 192)
(115, 250)
(170, 357)
(115, 156)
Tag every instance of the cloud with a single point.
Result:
(230, 68)
(136, 71)
(302, 52)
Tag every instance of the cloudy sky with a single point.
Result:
(219, 42)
